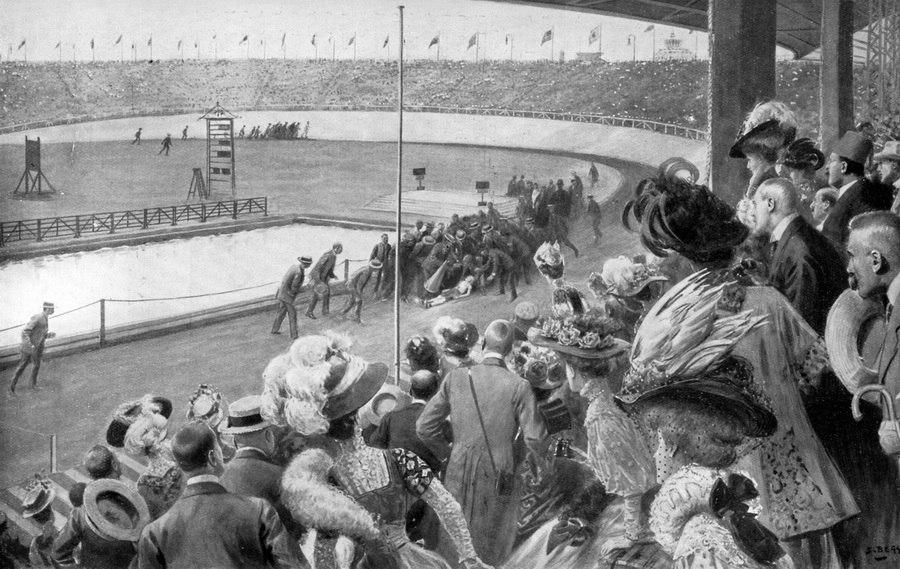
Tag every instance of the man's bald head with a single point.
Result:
(774, 200)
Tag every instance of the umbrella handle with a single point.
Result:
(885, 395)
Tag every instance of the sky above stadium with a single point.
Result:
(51, 30)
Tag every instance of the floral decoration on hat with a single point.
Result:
(623, 277)
(541, 367)
(587, 331)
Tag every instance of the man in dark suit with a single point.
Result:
(34, 335)
(379, 253)
(209, 526)
(487, 405)
(287, 292)
(398, 428)
(803, 266)
(319, 277)
(874, 272)
(856, 194)
(252, 472)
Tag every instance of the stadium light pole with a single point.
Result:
(632, 40)
(399, 204)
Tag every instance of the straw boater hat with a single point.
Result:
(375, 264)
(305, 261)
(891, 151)
(854, 333)
(38, 497)
(49, 305)
(682, 352)
(316, 381)
(769, 125)
(207, 405)
(114, 511)
(244, 417)
(127, 413)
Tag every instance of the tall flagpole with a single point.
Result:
(552, 44)
(397, 283)
(600, 39)
(439, 47)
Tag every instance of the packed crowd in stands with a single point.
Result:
(692, 406)
(29, 91)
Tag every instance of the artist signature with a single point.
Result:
(881, 552)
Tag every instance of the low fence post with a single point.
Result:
(145, 225)
(234, 209)
(102, 322)
(77, 226)
(202, 212)
(266, 206)
(346, 270)
(53, 453)
(174, 215)
(1, 235)
(39, 237)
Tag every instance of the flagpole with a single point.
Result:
(653, 55)
(397, 283)
(354, 46)
(333, 47)
(552, 43)
(600, 40)
(60, 52)
(264, 50)
(476, 47)
(439, 46)
(216, 48)
(121, 51)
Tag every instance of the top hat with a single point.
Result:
(891, 151)
(854, 333)
(854, 146)
(305, 261)
(127, 413)
(114, 511)
(38, 497)
(244, 417)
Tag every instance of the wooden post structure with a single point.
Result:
(836, 76)
(220, 150)
(742, 74)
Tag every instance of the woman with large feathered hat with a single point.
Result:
(316, 389)
(802, 492)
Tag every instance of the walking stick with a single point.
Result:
(888, 400)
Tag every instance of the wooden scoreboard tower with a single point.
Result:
(219, 150)
(33, 175)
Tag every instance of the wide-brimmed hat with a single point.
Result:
(622, 276)
(49, 305)
(853, 336)
(460, 234)
(126, 414)
(207, 405)
(891, 151)
(351, 393)
(854, 146)
(729, 387)
(244, 417)
(672, 166)
(389, 398)
(38, 497)
(114, 511)
(609, 346)
(453, 334)
(771, 125)
(803, 154)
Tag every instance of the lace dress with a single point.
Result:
(687, 529)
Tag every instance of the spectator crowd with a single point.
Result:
(702, 404)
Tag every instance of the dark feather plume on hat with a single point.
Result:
(676, 215)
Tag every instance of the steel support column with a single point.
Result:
(742, 73)
(836, 73)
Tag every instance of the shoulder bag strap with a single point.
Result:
(481, 422)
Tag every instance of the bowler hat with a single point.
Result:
(244, 417)
(114, 511)
(854, 146)
(305, 261)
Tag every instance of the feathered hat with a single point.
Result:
(675, 215)
(550, 261)
(682, 350)
(316, 381)
(803, 154)
(622, 276)
(127, 413)
(771, 125)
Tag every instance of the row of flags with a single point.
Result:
(593, 37)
